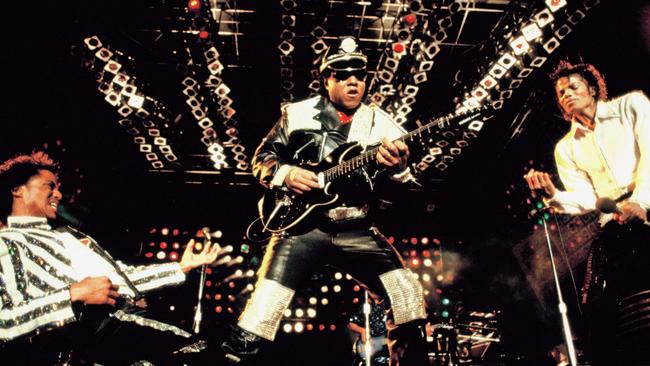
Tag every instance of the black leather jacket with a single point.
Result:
(309, 130)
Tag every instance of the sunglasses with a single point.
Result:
(342, 75)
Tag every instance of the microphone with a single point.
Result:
(607, 205)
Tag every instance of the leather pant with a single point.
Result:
(353, 247)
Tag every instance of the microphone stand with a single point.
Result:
(566, 327)
(196, 326)
(367, 346)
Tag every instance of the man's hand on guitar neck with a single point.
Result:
(301, 180)
(393, 155)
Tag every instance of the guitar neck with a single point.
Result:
(370, 156)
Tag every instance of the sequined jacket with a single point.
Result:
(36, 273)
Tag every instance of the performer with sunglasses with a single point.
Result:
(342, 236)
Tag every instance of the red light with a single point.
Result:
(310, 327)
(152, 244)
(410, 19)
(436, 241)
(163, 245)
(204, 34)
(217, 296)
(175, 232)
(415, 262)
(355, 300)
(176, 245)
(413, 253)
(356, 288)
(391, 239)
(231, 284)
(332, 327)
(398, 48)
(414, 240)
(194, 5)
(148, 254)
(173, 256)
(426, 254)
(321, 327)
(208, 271)
(208, 283)
(218, 309)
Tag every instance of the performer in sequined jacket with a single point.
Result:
(60, 284)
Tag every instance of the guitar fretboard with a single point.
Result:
(369, 156)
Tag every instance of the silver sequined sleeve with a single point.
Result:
(27, 303)
(146, 278)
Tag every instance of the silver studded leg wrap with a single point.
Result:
(265, 309)
(406, 295)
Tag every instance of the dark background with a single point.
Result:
(478, 208)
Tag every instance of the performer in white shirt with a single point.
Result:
(53, 281)
(606, 155)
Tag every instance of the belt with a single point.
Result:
(346, 213)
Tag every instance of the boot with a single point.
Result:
(407, 343)
(241, 346)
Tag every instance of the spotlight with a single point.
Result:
(507, 60)
(288, 4)
(215, 67)
(488, 82)
(318, 32)
(135, 101)
(416, 6)
(519, 45)
(391, 64)
(289, 20)
(104, 54)
(538, 61)
(194, 5)
(576, 17)
(112, 67)
(425, 66)
(420, 77)
(286, 60)
(531, 32)
(551, 45)
(385, 76)
(523, 73)
(431, 50)
(377, 98)
(92, 43)
(286, 48)
(590, 4)
(543, 18)
(410, 20)
(411, 90)
(189, 82)
(286, 72)
(445, 23)
(440, 36)
(399, 49)
(555, 5)
(211, 54)
(454, 7)
(287, 35)
(563, 31)
(515, 83)
(479, 93)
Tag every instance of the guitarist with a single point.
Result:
(606, 153)
(342, 236)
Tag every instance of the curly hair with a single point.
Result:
(17, 171)
(588, 72)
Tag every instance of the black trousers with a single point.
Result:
(617, 309)
(353, 247)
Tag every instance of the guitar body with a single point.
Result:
(282, 209)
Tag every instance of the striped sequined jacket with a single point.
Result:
(36, 272)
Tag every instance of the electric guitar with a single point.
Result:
(282, 209)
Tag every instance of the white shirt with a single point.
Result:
(605, 161)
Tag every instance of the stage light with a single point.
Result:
(479, 93)
(531, 32)
(431, 50)
(551, 45)
(92, 43)
(286, 48)
(427, 262)
(287, 313)
(337, 288)
(555, 5)
(104, 54)
(410, 20)
(538, 61)
(287, 328)
(519, 46)
(332, 327)
(426, 277)
(311, 312)
(324, 301)
(310, 327)
(194, 5)
(497, 71)
(313, 300)
(445, 301)
(288, 20)
(324, 289)
(161, 255)
(576, 17)
(399, 49)
(563, 31)
(288, 4)
(148, 255)
(299, 313)
(439, 278)
(543, 18)
(420, 77)
(299, 327)
(348, 277)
